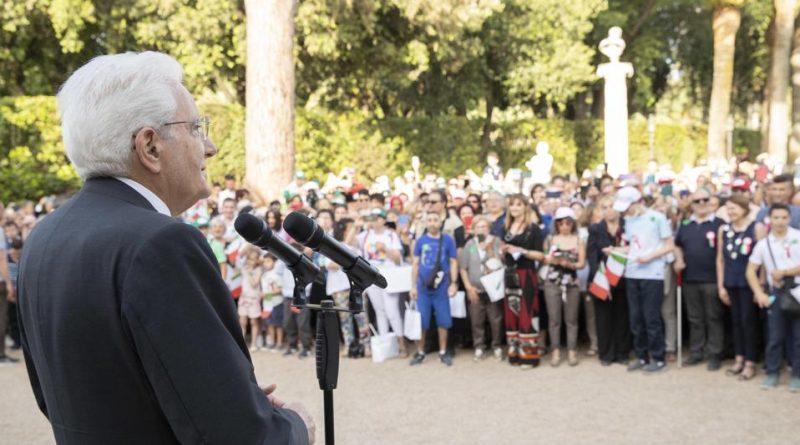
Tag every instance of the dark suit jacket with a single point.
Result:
(130, 334)
(599, 239)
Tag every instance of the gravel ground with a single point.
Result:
(490, 402)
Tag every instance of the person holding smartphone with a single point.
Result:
(779, 254)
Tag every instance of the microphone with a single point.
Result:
(255, 231)
(307, 232)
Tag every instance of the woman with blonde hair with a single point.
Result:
(522, 248)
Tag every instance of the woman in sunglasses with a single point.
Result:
(565, 255)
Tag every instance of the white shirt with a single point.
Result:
(151, 197)
(786, 251)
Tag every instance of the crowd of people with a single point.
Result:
(588, 266)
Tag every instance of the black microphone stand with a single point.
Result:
(327, 342)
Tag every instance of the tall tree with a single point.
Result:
(725, 23)
(794, 140)
(778, 81)
(269, 122)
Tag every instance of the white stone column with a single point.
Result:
(615, 98)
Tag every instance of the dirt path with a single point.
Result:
(492, 403)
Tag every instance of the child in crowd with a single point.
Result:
(250, 300)
(272, 304)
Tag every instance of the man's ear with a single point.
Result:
(147, 149)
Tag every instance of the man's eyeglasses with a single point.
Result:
(701, 201)
(433, 202)
(198, 126)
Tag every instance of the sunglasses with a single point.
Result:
(701, 201)
(433, 202)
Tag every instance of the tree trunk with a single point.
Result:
(779, 81)
(269, 126)
(794, 141)
(725, 23)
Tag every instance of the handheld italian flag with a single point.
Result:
(615, 267)
(600, 287)
(235, 282)
(232, 251)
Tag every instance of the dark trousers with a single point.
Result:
(613, 331)
(3, 318)
(744, 314)
(780, 326)
(294, 323)
(644, 310)
(704, 310)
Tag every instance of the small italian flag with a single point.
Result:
(615, 267)
(600, 287)
(235, 283)
(232, 251)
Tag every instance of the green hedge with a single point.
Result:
(32, 158)
(33, 164)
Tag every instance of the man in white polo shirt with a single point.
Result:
(779, 254)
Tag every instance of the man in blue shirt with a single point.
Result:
(434, 284)
(695, 257)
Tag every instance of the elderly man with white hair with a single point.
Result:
(133, 337)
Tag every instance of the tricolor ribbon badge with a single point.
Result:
(747, 245)
(712, 239)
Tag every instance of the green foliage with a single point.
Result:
(227, 132)
(32, 158)
(327, 142)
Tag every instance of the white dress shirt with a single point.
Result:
(151, 197)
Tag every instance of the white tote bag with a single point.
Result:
(383, 347)
(412, 322)
(494, 284)
(458, 305)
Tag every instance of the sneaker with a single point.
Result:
(417, 359)
(290, 351)
(304, 354)
(498, 354)
(254, 348)
(794, 384)
(446, 359)
(655, 367)
(479, 355)
(6, 360)
(769, 382)
(636, 365)
(714, 364)
(672, 357)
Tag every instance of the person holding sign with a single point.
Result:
(481, 256)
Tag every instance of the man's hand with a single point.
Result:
(723, 295)
(607, 250)
(762, 299)
(413, 294)
(301, 411)
(452, 289)
(472, 294)
(268, 390)
(678, 267)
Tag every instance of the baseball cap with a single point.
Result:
(625, 197)
(378, 212)
(564, 212)
(740, 184)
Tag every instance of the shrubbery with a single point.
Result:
(33, 163)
